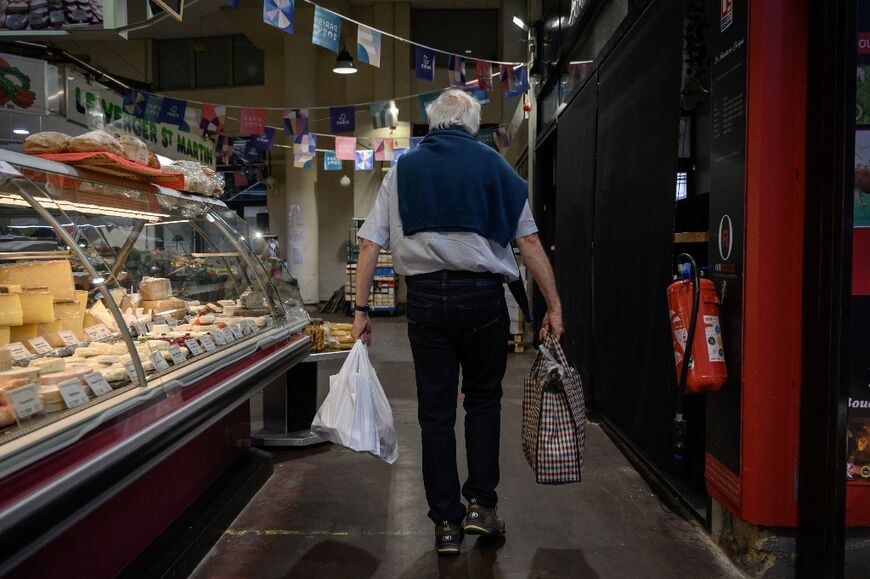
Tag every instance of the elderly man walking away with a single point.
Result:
(449, 211)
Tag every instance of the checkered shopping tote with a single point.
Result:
(554, 417)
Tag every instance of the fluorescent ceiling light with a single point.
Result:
(21, 131)
(520, 23)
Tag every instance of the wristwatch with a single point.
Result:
(359, 308)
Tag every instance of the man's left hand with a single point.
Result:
(362, 328)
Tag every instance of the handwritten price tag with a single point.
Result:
(160, 364)
(25, 401)
(98, 332)
(18, 351)
(131, 372)
(178, 356)
(73, 393)
(40, 345)
(207, 343)
(193, 346)
(218, 337)
(68, 338)
(98, 384)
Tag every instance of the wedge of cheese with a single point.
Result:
(46, 329)
(71, 315)
(155, 288)
(56, 276)
(22, 333)
(10, 310)
(37, 307)
(173, 307)
(47, 365)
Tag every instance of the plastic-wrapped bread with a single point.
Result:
(7, 417)
(95, 141)
(134, 149)
(46, 142)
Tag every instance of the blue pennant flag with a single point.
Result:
(342, 119)
(425, 63)
(331, 162)
(172, 111)
(327, 29)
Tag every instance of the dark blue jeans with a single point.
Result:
(453, 324)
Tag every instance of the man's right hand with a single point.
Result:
(362, 328)
(552, 324)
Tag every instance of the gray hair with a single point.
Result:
(454, 107)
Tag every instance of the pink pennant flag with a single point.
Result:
(252, 122)
(484, 75)
(384, 149)
(345, 148)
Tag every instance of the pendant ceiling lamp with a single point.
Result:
(344, 63)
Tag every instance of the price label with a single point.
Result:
(98, 384)
(193, 346)
(140, 329)
(98, 332)
(25, 401)
(68, 338)
(218, 336)
(160, 364)
(131, 372)
(246, 327)
(18, 351)
(237, 331)
(40, 345)
(207, 343)
(73, 393)
(149, 326)
(160, 320)
(229, 337)
(172, 322)
(178, 356)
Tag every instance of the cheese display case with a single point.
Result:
(121, 304)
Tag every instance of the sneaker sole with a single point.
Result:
(478, 530)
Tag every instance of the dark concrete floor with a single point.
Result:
(331, 513)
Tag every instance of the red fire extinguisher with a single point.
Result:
(696, 332)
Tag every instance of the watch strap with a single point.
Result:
(359, 308)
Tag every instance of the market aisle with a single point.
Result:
(331, 513)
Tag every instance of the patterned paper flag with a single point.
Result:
(212, 116)
(481, 96)
(172, 111)
(305, 144)
(279, 13)
(252, 121)
(224, 149)
(365, 160)
(331, 162)
(484, 75)
(519, 83)
(295, 121)
(327, 29)
(502, 138)
(384, 149)
(456, 65)
(425, 63)
(397, 154)
(368, 46)
(342, 119)
(384, 114)
(303, 161)
(264, 142)
(345, 148)
(134, 103)
(153, 106)
(427, 98)
(252, 152)
(415, 142)
(508, 81)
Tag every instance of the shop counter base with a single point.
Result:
(290, 404)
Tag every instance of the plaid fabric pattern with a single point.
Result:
(554, 423)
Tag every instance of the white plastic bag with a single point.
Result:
(356, 413)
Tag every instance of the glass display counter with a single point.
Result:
(122, 304)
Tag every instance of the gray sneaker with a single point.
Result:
(482, 521)
(448, 538)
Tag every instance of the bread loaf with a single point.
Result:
(46, 142)
(134, 149)
(95, 141)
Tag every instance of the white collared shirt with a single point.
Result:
(430, 251)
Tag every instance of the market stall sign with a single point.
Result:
(164, 139)
(28, 85)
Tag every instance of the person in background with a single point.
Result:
(448, 211)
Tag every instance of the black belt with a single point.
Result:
(456, 275)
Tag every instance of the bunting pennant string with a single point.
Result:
(318, 7)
